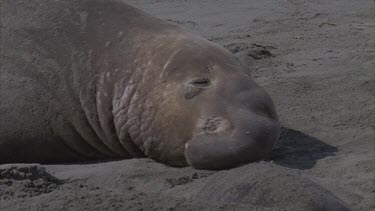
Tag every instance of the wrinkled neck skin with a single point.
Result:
(140, 105)
(147, 98)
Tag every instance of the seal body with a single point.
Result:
(98, 79)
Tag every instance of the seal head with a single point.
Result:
(213, 115)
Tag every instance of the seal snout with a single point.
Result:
(223, 145)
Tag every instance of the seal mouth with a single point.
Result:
(217, 153)
(242, 146)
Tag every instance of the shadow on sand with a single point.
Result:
(300, 151)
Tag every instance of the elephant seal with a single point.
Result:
(100, 79)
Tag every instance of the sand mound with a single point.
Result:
(26, 180)
(144, 184)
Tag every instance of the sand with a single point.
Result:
(316, 60)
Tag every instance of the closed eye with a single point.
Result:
(195, 87)
(200, 82)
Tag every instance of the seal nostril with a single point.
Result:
(211, 125)
(214, 125)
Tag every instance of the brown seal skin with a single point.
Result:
(99, 79)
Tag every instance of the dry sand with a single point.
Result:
(315, 58)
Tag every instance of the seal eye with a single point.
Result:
(201, 82)
(196, 86)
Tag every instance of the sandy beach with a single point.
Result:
(315, 59)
